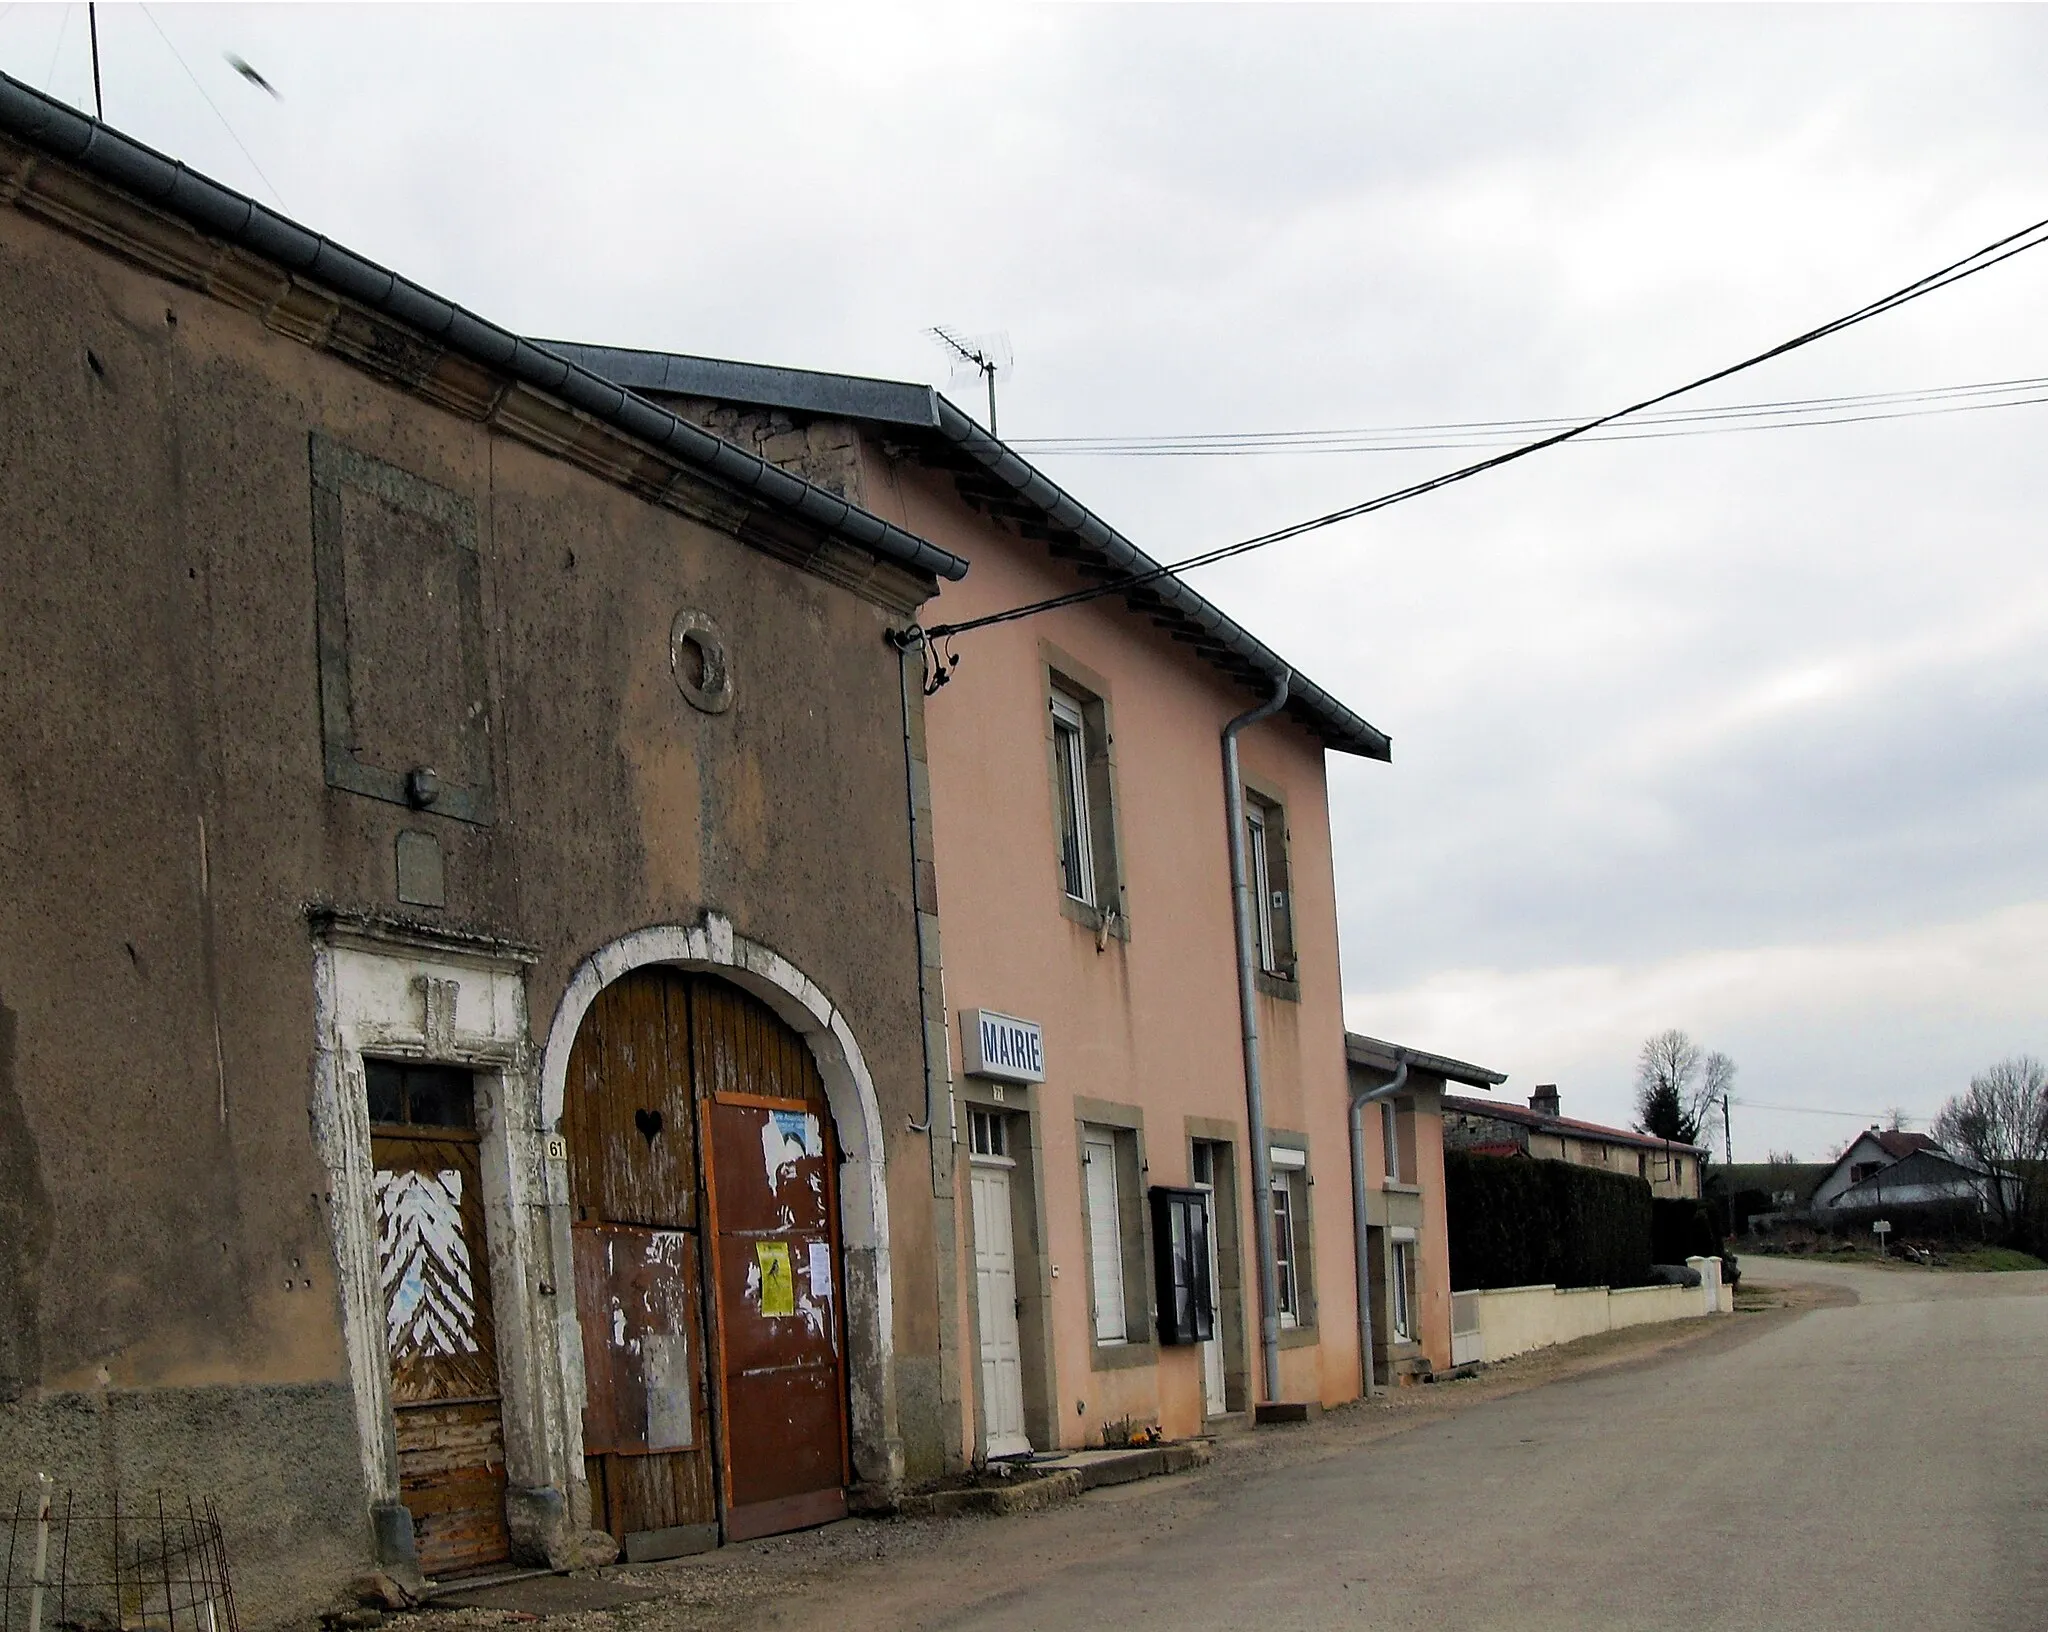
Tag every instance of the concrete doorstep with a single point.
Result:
(1048, 1481)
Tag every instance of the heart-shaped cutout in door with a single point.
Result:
(649, 1124)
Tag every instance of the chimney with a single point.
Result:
(1544, 1101)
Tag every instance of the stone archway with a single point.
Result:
(712, 947)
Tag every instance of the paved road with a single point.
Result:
(1870, 1467)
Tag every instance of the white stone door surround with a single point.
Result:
(396, 991)
(712, 947)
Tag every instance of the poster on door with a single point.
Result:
(778, 1285)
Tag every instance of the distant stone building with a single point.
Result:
(1672, 1169)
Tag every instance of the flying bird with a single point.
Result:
(241, 67)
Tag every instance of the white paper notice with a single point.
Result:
(821, 1270)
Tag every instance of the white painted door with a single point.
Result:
(995, 1274)
(1213, 1400)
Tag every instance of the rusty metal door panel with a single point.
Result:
(771, 1161)
(441, 1338)
(778, 1278)
(627, 1111)
(644, 1356)
(791, 1421)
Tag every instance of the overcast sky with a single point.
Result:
(1738, 733)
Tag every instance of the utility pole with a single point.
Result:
(1728, 1153)
(92, 24)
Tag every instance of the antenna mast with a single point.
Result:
(981, 358)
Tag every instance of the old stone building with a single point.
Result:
(463, 1083)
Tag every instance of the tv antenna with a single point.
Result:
(987, 355)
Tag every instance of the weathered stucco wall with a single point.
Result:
(167, 1288)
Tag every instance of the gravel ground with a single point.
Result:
(910, 1572)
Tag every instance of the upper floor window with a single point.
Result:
(1266, 859)
(1082, 792)
(1076, 818)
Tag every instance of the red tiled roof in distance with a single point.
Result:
(1563, 1124)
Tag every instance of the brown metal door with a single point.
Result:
(434, 1263)
(776, 1263)
(630, 1119)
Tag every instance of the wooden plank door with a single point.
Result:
(995, 1273)
(434, 1263)
(629, 1115)
(772, 1171)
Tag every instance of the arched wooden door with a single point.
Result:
(708, 1281)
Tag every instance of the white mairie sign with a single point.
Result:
(1001, 1046)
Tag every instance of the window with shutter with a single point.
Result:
(1105, 1239)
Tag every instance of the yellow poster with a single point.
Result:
(778, 1288)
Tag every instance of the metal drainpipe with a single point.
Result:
(1248, 1016)
(924, 1036)
(1361, 1238)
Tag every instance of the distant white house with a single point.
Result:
(1885, 1168)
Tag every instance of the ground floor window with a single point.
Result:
(1404, 1291)
(1105, 1235)
(1290, 1228)
(988, 1133)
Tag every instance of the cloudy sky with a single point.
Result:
(1734, 732)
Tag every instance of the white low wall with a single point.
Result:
(1513, 1320)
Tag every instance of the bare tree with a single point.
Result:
(1895, 1119)
(1671, 1089)
(2001, 1124)
(1717, 1082)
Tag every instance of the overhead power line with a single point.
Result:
(1866, 1117)
(1982, 260)
(223, 118)
(1746, 416)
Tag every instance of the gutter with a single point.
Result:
(1342, 728)
(221, 213)
(1248, 1015)
(1360, 1232)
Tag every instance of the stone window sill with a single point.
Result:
(1122, 1356)
(1094, 919)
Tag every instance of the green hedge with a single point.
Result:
(1517, 1222)
(1682, 1229)
(1955, 1223)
